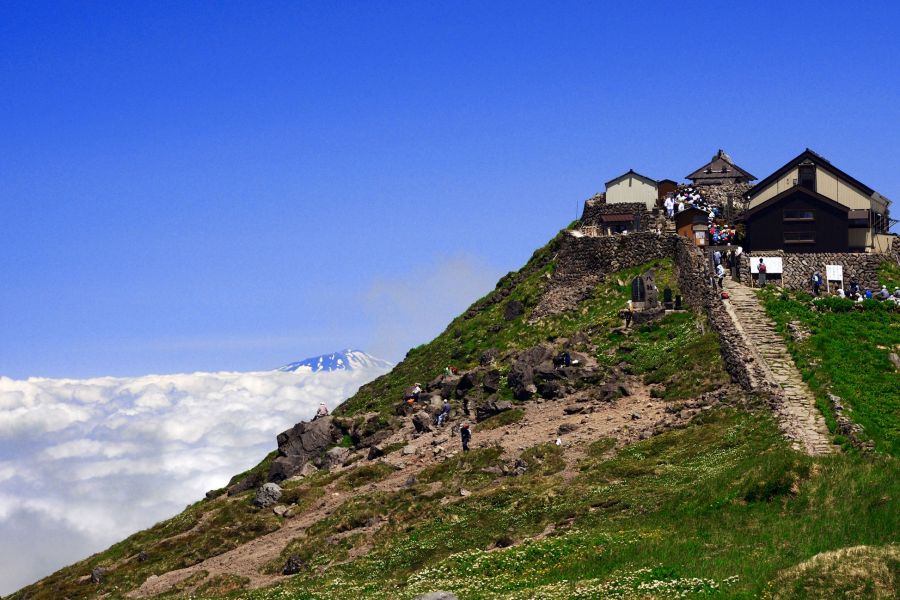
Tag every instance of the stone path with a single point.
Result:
(800, 420)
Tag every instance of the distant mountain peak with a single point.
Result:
(344, 360)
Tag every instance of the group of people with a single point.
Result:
(411, 398)
(689, 197)
(857, 294)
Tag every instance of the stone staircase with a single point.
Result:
(797, 414)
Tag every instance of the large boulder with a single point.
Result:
(300, 444)
(513, 309)
(490, 408)
(491, 381)
(521, 381)
(489, 357)
(550, 390)
(535, 355)
(334, 457)
(249, 482)
(293, 566)
(466, 383)
(422, 422)
(267, 495)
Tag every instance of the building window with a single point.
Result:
(807, 176)
(799, 215)
(799, 237)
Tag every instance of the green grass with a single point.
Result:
(847, 354)
(466, 339)
(673, 353)
(889, 275)
(720, 507)
(507, 417)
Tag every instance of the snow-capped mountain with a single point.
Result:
(346, 360)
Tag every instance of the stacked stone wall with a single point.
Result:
(583, 262)
(594, 209)
(694, 280)
(798, 268)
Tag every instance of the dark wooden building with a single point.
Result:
(693, 224)
(720, 170)
(664, 187)
(798, 220)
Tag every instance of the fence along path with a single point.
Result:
(800, 420)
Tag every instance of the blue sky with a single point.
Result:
(206, 186)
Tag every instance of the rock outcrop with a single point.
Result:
(301, 443)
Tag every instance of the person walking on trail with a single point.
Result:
(322, 412)
(720, 275)
(466, 435)
(762, 273)
(670, 207)
(816, 282)
(717, 258)
(444, 414)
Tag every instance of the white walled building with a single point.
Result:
(632, 187)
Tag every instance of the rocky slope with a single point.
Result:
(605, 462)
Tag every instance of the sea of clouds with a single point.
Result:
(84, 463)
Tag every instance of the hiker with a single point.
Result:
(465, 434)
(762, 273)
(816, 282)
(681, 206)
(444, 414)
(717, 258)
(840, 293)
(629, 313)
(670, 207)
(854, 287)
(413, 395)
(448, 371)
(720, 274)
(897, 292)
(322, 412)
(563, 359)
(868, 294)
(884, 294)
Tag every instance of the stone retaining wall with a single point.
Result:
(594, 209)
(583, 262)
(798, 268)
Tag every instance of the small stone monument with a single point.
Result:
(638, 291)
(652, 292)
(667, 298)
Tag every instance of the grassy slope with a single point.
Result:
(846, 354)
(720, 507)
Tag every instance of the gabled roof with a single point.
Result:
(632, 172)
(819, 161)
(720, 161)
(791, 190)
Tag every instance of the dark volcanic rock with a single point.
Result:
(375, 451)
(293, 566)
(521, 380)
(422, 421)
(97, 575)
(491, 381)
(249, 482)
(513, 309)
(491, 408)
(466, 383)
(301, 443)
(488, 357)
(550, 390)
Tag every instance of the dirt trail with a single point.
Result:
(625, 419)
(800, 420)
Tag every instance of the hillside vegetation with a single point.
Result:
(679, 484)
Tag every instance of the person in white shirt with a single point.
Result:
(670, 206)
(322, 412)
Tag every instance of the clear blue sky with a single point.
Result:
(203, 186)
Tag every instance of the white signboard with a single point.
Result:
(834, 272)
(773, 264)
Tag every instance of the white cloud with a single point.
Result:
(89, 462)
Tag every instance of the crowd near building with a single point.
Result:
(806, 214)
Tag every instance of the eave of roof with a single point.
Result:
(819, 161)
(636, 174)
(791, 190)
(701, 172)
